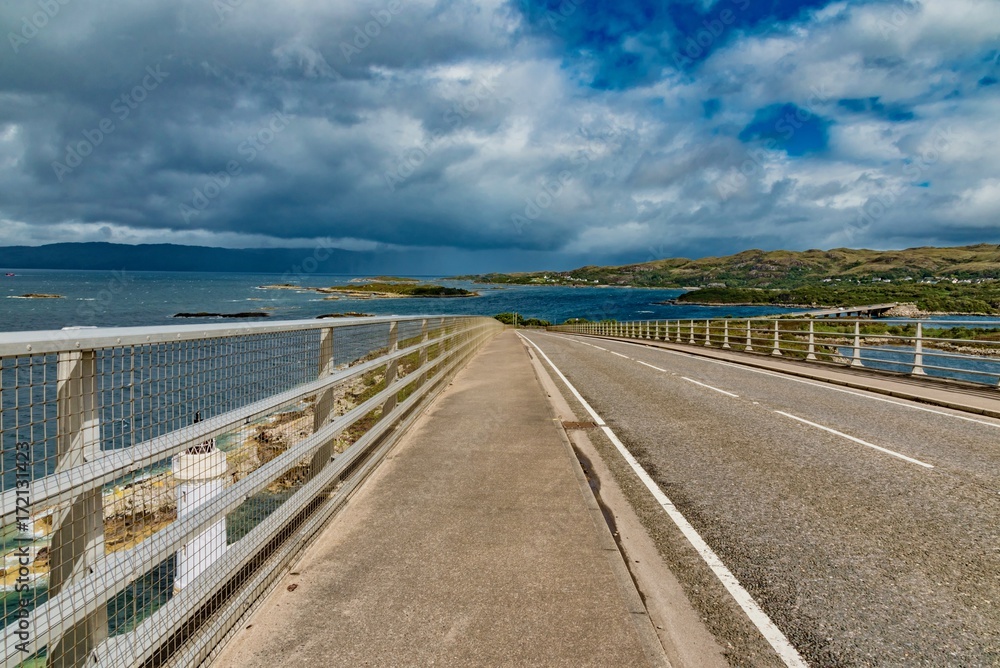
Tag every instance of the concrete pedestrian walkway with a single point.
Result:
(474, 543)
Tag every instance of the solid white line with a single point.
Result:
(857, 440)
(583, 402)
(825, 386)
(728, 394)
(771, 633)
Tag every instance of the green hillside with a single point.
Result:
(786, 269)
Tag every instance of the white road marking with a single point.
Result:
(651, 366)
(619, 354)
(771, 633)
(825, 386)
(857, 440)
(728, 394)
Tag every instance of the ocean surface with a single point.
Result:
(117, 299)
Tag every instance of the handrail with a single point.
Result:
(101, 413)
(896, 346)
(55, 488)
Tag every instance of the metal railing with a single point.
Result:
(156, 481)
(965, 351)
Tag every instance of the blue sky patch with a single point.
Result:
(871, 105)
(789, 128)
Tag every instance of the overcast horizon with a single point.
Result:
(504, 135)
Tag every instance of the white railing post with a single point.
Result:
(811, 353)
(777, 341)
(749, 346)
(390, 367)
(918, 353)
(708, 333)
(856, 357)
(323, 410)
(424, 338)
(692, 332)
(78, 528)
(725, 334)
(680, 336)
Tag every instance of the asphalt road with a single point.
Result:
(866, 527)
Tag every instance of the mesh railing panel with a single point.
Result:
(134, 471)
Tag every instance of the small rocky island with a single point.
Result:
(203, 314)
(379, 290)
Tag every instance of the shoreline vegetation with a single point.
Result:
(963, 280)
(915, 301)
(378, 290)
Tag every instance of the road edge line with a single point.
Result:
(774, 636)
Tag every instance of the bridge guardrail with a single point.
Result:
(957, 350)
(155, 481)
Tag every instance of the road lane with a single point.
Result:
(966, 445)
(859, 557)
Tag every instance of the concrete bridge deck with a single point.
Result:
(476, 543)
(772, 513)
(870, 311)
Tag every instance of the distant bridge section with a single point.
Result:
(871, 311)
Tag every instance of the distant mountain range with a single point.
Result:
(783, 269)
(172, 257)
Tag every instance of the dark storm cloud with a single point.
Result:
(479, 125)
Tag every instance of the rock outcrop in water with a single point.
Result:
(246, 314)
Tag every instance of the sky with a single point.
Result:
(512, 134)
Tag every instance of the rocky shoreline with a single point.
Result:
(35, 295)
(245, 314)
(335, 292)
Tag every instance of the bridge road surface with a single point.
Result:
(476, 543)
(861, 556)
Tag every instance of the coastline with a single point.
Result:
(347, 292)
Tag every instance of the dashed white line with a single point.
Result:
(651, 366)
(825, 386)
(857, 440)
(728, 394)
(619, 354)
(768, 629)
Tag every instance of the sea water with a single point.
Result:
(123, 299)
